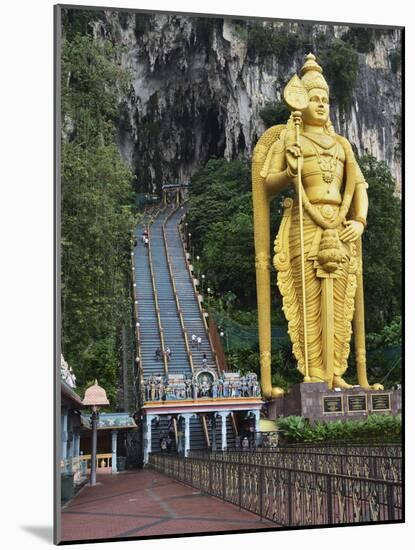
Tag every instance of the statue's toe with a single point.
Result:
(338, 382)
(277, 392)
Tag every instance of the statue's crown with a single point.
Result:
(312, 74)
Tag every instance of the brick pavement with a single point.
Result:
(148, 504)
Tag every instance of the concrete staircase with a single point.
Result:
(156, 283)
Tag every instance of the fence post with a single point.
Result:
(261, 490)
(240, 484)
(375, 467)
(329, 501)
(390, 498)
(290, 511)
(210, 477)
(223, 481)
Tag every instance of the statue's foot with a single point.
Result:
(277, 392)
(338, 382)
(376, 387)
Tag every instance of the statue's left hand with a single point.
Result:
(351, 231)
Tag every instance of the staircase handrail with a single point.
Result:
(202, 313)
(179, 311)
(140, 373)
(205, 430)
(137, 330)
(161, 333)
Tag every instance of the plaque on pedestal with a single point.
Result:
(333, 404)
(357, 403)
(381, 402)
(317, 402)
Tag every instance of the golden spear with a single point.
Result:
(296, 97)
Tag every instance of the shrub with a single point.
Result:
(274, 113)
(381, 428)
(265, 40)
(361, 38)
(341, 66)
(395, 59)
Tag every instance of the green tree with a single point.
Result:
(97, 213)
(229, 247)
(382, 262)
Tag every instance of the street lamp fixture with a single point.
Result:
(198, 267)
(95, 397)
(222, 333)
(209, 291)
(203, 280)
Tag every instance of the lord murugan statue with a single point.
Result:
(318, 250)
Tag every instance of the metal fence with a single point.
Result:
(363, 465)
(288, 497)
(266, 441)
(347, 448)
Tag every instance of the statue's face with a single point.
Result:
(318, 110)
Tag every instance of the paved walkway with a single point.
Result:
(148, 504)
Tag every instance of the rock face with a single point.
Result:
(199, 89)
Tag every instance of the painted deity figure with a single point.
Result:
(204, 386)
(318, 258)
(220, 387)
(188, 383)
(152, 390)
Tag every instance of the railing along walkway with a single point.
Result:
(363, 465)
(288, 497)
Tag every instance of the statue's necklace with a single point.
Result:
(327, 166)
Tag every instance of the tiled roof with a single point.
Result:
(69, 393)
(110, 420)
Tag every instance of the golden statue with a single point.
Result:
(318, 251)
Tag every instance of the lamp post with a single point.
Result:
(209, 291)
(186, 240)
(198, 267)
(222, 334)
(190, 244)
(203, 280)
(95, 397)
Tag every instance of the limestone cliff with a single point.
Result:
(199, 86)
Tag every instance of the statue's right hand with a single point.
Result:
(294, 158)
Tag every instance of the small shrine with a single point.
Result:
(204, 384)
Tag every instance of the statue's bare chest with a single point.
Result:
(323, 167)
(325, 149)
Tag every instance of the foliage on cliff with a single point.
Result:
(96, 215)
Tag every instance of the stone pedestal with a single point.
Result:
(316, 402)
